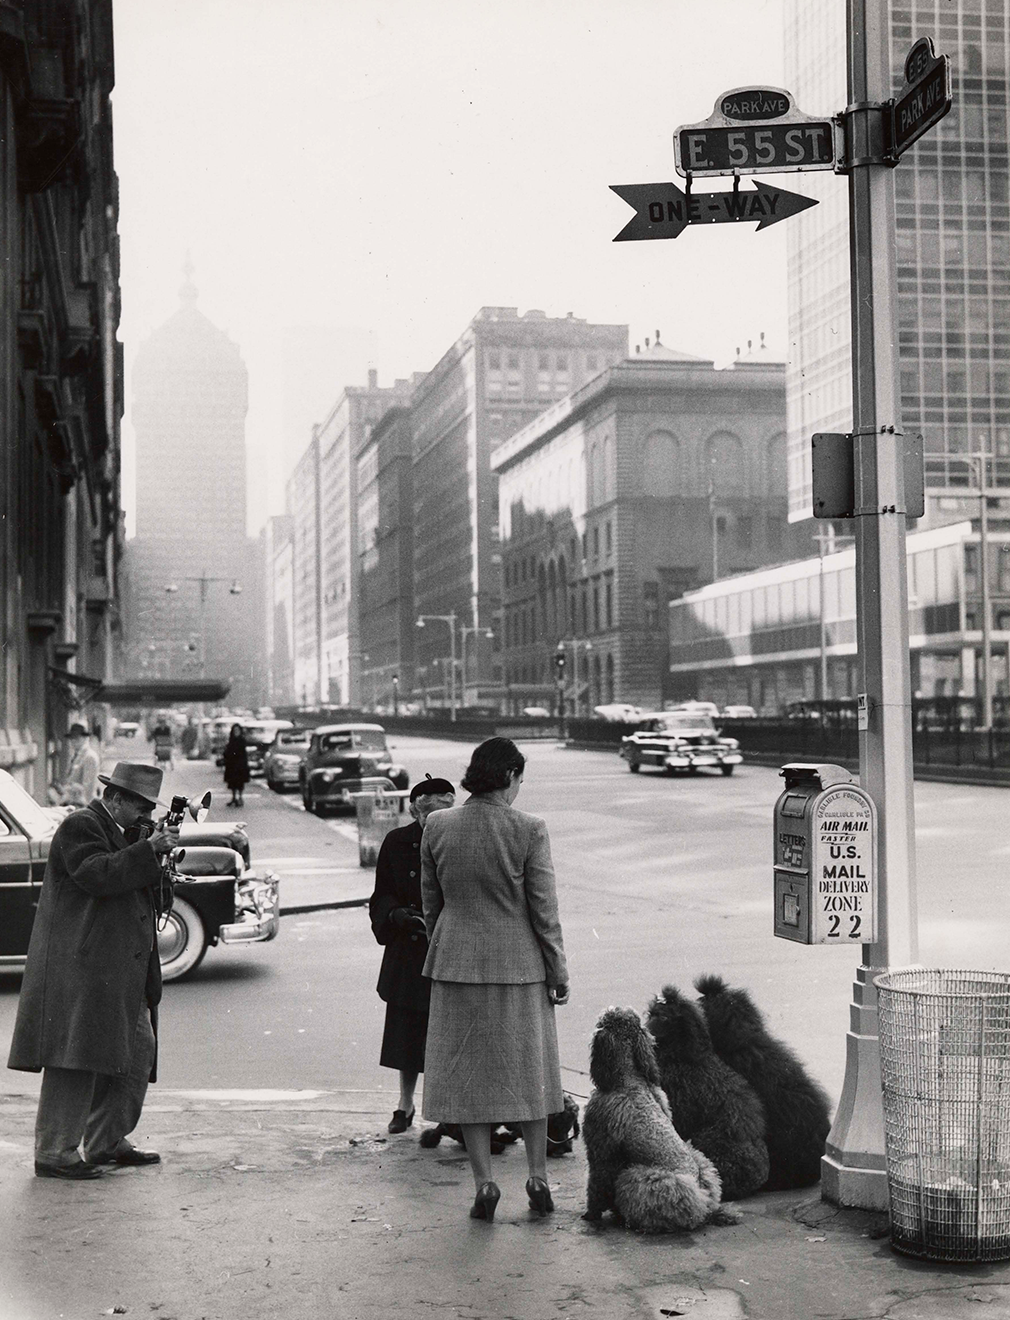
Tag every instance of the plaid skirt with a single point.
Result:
(491, 1054)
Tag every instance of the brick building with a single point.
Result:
(656, 476)
(501, 373)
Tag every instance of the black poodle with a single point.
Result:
(797, 1110)
(711, 1105)
(562, 1129)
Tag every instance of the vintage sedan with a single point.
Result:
(344, 759)
(283, 761)
(219, 898)
(676, 740)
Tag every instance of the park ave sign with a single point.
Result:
(663, 211)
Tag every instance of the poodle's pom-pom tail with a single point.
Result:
(710, 985)
(430, 1137)
(660, 1201)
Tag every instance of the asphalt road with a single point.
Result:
(659, 880)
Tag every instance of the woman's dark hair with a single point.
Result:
(491, 766)
(236, 732)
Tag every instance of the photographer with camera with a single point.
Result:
(87, 1013)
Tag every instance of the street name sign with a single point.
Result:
(663, 211)
(756, 130)
(925, 98)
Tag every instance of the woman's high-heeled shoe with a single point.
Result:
(486, 1203)
(540, 1195)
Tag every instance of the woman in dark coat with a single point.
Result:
(236, 765)
(497, 966)
(395, 911)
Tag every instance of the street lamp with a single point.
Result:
(450, 619)
(235, 590)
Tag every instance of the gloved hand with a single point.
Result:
(408, 920)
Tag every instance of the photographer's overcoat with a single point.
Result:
(93, 956)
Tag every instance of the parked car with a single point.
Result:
(536, 712)
(259, 736)
(739, 713)
(283, 760)
(617, 712)
(343, 759)
(698, 707)
(220, 728)
(674, 740)
(126, 729)
(219, 897)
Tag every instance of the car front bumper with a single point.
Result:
(693, 760)
(342, 792)
(260, 918)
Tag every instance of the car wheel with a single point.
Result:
(634, 767)
(692, 769)
(273, 785)
(308, 799)
(182, 943)
(727, 769)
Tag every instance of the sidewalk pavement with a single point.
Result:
(298, 1204)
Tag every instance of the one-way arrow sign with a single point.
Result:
(665, 212)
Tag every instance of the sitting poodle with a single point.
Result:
(562, 1129)
(797, 1110)
(638, 1165)
(710, 1104)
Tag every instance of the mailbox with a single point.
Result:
(825, 858)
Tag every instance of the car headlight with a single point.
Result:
(731, 743)
(327, 775)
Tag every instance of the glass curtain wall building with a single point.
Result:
(953, 247)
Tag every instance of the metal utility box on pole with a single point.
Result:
(854, 1168)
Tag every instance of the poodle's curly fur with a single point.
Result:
(797, 1109)
(562, 1129)
(639, 1167)
(711, 1105)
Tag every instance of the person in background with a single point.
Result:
(236, 765)
(497, 966)
(163, 740)
(81, 783)
(87, 1012)
(398, 923)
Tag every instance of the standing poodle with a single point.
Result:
(638, 1165)
(711, 1105)
(797, 1110)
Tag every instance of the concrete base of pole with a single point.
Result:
(854, 1169)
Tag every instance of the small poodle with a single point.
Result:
(797, 1110)
(639, 1167)
(711, 1105)
(562, 1129)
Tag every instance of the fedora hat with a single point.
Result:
(143, 781)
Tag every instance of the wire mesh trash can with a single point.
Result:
(945, 1070)
(378, 811)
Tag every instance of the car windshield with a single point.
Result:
(684, 720)
(292, 739)
(25, 810)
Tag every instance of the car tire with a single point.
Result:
(273, 785)
(182, 943)
(634, 767)
(727, 769)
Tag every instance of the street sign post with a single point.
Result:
(665, 212)
(755, 131)
(925, 98)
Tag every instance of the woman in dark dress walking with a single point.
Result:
(497, 966)
(397, 923)
(236, 765)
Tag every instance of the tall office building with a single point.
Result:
(953, 248)
(190, 391)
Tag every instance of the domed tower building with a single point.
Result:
(191, 556)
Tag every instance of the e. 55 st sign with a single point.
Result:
(755, 131)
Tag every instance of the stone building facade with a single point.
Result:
(61, 386)
(501, 373)
(657, 476)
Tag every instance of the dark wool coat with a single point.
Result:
(236, 763)
(398, 884)
(93, 955)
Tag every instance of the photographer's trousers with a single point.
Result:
(101, 1111)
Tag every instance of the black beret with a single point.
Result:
(428, 787)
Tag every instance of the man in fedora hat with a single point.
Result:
(81, 783)
(87, 1013)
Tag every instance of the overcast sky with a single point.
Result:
(355, 178)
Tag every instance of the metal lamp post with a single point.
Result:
(235, 590)
(450, 619)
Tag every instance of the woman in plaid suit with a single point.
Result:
(497, 966)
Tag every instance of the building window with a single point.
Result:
(596, 542)
(610, 539)
(585, 610)
(596, 609)
(610, 604)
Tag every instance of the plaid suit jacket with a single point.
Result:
(490, 904)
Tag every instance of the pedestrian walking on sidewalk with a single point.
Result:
(398, 923)
(497, 966)
(87, 1013)
(236, 765)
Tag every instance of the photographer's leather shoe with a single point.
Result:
(71, 1172)
(129, 1156)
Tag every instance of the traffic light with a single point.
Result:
(559, 664)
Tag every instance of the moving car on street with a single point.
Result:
(675, 740)
(344, 759)
(219, 897)
(283, 760)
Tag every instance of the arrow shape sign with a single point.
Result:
(663, 211)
